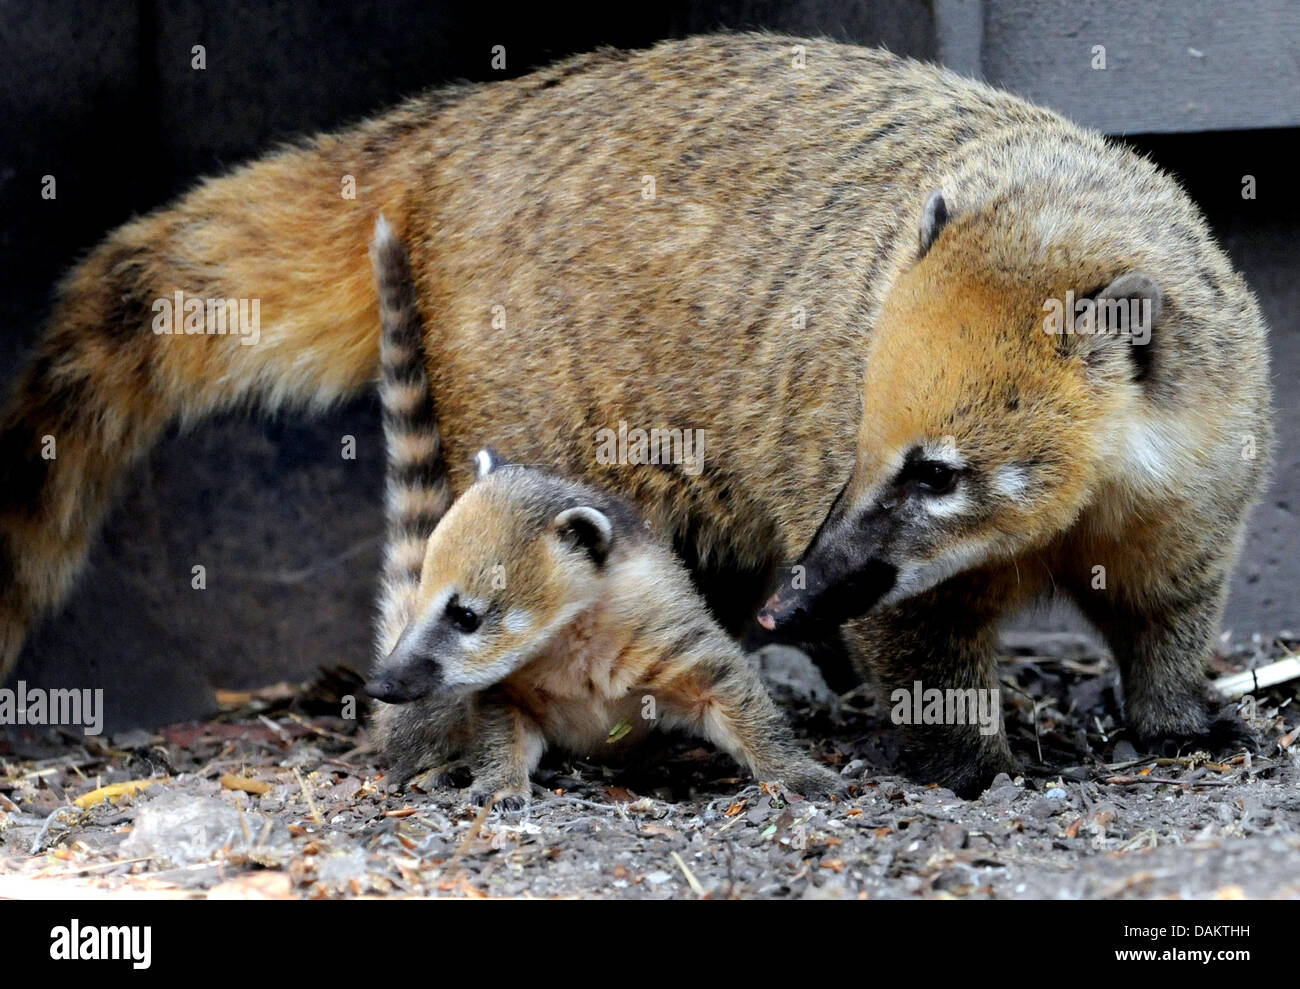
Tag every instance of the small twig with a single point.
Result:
(311, 802)
(280, 733)
(690, 876)
(219, 759)
(1130, 780)
(1033, 715)
(316, 729)
(475, 829)
(1234, 685)
(79, 818)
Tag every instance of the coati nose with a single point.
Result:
(388, 690)
(828, 602)
(778, 612)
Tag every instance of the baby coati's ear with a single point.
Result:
(485, 462)
(934, 217)
(1115, 332)
(587, 529)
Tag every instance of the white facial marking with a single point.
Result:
(517, 622)
(915, 577)
(1011, 482)
(869, 497)
(946, 506)
(1153, 449)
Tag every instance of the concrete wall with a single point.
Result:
(1134, 67)
(103, 97)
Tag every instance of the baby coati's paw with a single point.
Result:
(812, 780)
(508, 798)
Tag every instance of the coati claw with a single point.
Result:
(507, 800)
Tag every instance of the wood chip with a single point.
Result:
(113, 792)
(256, 787)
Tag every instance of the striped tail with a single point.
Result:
(418, 491)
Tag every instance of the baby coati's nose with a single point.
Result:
(388, 690)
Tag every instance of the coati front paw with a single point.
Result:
(507, 797)
(1225, 733)
(811, 780)
(965, 776)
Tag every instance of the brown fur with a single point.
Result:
(779, 191)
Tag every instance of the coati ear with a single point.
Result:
(934, 217)
(485, 462)
(585, 528)
(1123, 313)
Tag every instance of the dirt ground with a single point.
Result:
(279, 798)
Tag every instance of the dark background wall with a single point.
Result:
(103, 97)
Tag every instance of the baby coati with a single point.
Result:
(541, 612)
(837, 264)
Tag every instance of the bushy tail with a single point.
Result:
(418, 490)
(123, 358)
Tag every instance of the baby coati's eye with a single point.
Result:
(932, 476)
(463, 618)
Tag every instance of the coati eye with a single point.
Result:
(936, 477)
(463, 618)
(932, 476)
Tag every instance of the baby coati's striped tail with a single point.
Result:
(418, 491)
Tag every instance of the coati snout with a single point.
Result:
(409, 672)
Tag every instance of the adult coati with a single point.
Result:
(721, 234)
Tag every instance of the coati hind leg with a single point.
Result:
(724, 700)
